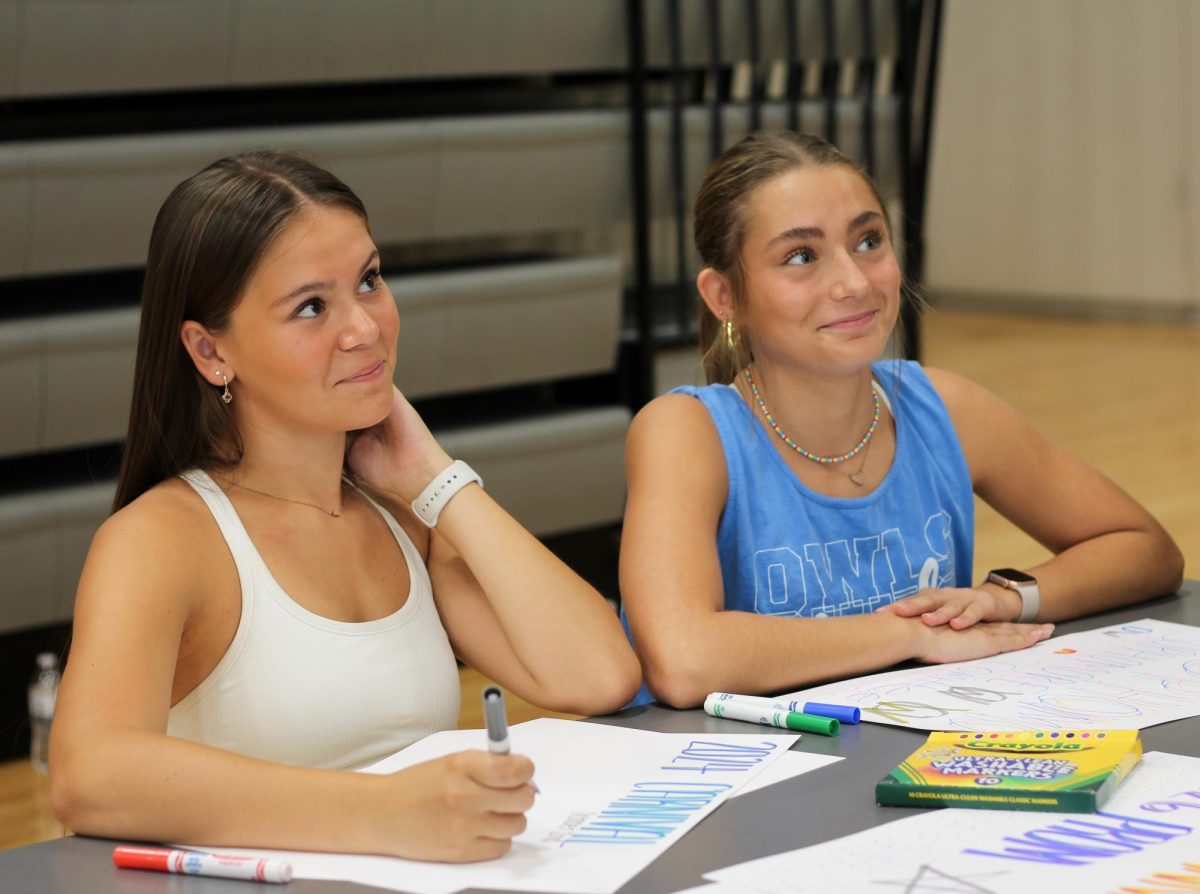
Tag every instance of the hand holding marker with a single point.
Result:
(189, 862)
(495, 718)
(785, 715)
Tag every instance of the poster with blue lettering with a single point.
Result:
(1147, 839)
(1127, 676)
(611, 800)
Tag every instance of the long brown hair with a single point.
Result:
(719, 227)
(207, 240)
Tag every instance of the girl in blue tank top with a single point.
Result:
(809, 513)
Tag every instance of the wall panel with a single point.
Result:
(1059, 163)
(89, 377)
(111, 46)
(22, 399)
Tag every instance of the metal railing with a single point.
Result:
(825, 83)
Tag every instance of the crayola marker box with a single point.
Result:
(1063, 771)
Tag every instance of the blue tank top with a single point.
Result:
(787, 550)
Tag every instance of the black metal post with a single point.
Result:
(754, 46)
(792, 49)
(716, 131)
(909, 320)
(866, 74)
(929, 93)
(830, 70)
(920, 31)
(678, 169)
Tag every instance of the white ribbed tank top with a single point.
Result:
(297, 688)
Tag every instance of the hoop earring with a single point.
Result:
(729, 335)
(226, 395)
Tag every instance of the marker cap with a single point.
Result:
(812, 723)
(141, 858)
(843, 713)
(495, 720)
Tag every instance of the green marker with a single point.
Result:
(813, 723)
(731, 709)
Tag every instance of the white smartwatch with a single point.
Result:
(429, 505)
(1026, 587)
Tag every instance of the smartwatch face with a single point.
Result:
(1017, 577)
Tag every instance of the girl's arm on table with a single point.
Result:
(671, 585)
(520, 616)
(1108, 550)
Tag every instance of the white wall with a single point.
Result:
(1066, 155)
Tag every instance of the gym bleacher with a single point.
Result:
(495, 145)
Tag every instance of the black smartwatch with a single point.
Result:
(1026, 587)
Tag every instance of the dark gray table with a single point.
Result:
(828, 803)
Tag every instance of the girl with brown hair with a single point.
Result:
(293, 562)
(808, 514)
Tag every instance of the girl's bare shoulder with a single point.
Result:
(168, 519)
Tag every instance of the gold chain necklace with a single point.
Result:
(335, 513)
(857, 478)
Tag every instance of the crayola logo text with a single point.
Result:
(1027, 746)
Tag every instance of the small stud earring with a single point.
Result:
(226, 395)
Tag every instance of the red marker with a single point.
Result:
(161, 859)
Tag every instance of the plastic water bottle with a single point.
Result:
(43, 692)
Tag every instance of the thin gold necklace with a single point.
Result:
(337, 513)
(857, 478)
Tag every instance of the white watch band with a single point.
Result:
(429, 505)
(1031, 601)
(1031, 596)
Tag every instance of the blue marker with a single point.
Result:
(844, 713)
(841, 713)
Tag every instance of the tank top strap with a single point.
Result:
(883, 395)
(246, 559)
(416, 562)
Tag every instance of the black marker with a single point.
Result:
(496, 719)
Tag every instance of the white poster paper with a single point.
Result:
(787, 765)
(1147, 839)
(612, 799)
(1128, 676)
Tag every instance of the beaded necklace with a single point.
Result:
(817, 458)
